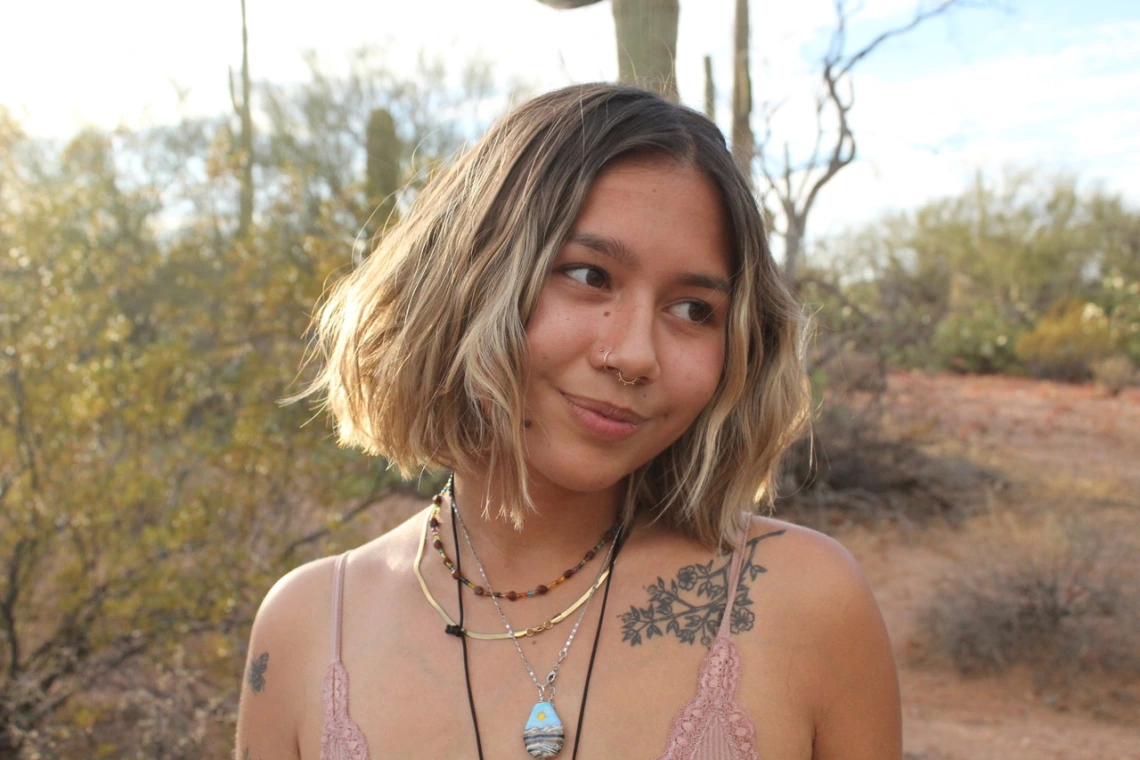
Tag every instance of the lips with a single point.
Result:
(604, 419)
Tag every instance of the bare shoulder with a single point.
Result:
(290, 648)
(292, 609)
(819, 587)
(831, 610)
(818, 568)
(293, 596)
(282, 660)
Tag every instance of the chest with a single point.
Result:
(409, 693)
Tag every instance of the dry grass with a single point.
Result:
(1055, 593)
(1114, 373)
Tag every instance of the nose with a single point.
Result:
(629, 344)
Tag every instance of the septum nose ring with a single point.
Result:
(621, 379)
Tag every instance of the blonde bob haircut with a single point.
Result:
(422, 349)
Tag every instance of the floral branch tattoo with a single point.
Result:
(691, 605)
(255, 676)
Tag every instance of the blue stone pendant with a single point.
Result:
(544, 731)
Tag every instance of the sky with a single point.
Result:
(1050, 85)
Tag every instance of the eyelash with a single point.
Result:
(706, 309)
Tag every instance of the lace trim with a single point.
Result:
(712, 725)
(341, 738)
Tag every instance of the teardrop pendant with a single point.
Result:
(544, 732)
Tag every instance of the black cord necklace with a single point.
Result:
(594, 651)
(458, 631)
(462, 637)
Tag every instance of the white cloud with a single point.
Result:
(1072, 109)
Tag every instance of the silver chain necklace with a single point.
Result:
(544, 733)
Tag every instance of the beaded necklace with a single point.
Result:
(457, 629)
(511, 596)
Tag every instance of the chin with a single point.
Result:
(583, 472)
(578, 482)
(577, 475)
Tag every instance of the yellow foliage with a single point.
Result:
(1068, 340)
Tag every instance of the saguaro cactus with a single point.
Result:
(743, 141)
(383, 170)
(245, 139)
(646, 41)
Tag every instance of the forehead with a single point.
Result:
(659, 207)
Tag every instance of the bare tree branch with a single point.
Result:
(24, 441)
(8, 608)
(130, 647)
(364, 504)
(834, 105)
(920, 16)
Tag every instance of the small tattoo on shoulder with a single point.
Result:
(691, 605)
(255, 676)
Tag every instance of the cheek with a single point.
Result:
(697, 375)
(555, 329)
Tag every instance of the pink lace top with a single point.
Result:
(712, 726)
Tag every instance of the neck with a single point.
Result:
(553, 537)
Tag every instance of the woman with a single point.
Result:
(581, 320)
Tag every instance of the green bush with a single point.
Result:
(1119, 296)
(980, 341)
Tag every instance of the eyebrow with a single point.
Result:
(619, 252)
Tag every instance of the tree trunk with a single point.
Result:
(743, 142)
(793, 243)
(647, 44)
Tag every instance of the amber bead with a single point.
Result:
(568, 573)
(456, 574)
(479, 591)
(540, 589)
(434, 521)
(512, 595)
(437, 543)
(589, 555)
(437, 500)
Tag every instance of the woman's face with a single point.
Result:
(641, 288)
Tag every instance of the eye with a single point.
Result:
(692, 311)
(590, 276)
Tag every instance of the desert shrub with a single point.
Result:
(852, 469)
(849, 370)
(981, 341)
(1058, 596)
(1114, 373)
(1066, 342)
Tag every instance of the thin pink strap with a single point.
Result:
(733, 582)
(338, 594)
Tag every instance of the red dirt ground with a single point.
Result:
(1058, 448)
